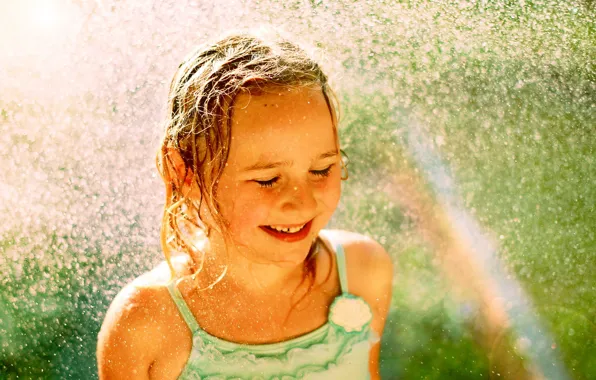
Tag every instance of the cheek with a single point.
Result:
(330, 191)
(335, 194)
(242, 206)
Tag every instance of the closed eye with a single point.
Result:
(320, 173)
(267, 183)
(323, 172)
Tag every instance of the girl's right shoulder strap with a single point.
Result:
(182, 306)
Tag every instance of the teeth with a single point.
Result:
(290, 230)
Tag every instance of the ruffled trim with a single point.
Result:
(336, 340)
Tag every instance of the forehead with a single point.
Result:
(280, 124)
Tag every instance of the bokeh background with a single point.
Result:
(489, 105)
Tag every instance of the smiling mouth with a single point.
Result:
(288, 233)
(290, 230)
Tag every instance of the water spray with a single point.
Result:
(497, 294)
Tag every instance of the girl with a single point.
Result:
(252, 287)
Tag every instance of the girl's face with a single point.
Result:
(283, 172)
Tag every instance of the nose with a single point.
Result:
(300, 198)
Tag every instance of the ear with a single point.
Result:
(182, 176)
(177, 170)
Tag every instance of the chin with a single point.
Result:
(289, 257)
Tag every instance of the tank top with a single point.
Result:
(337, 350)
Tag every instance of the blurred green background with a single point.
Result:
(503, 91)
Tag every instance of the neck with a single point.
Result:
(247, 274)
(264, 279)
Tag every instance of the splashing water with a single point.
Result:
(505, 90)
(532, 333)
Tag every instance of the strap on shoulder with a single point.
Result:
(341, 267)
(183, 307)
(340, 259)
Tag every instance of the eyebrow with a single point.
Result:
(272, 165)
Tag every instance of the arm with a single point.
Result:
(381, 274)
(127, 342)
(370, 273)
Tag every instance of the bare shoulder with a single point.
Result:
(363, 254)
(369, 270)
(135, 326)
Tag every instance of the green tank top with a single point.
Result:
(337, 350)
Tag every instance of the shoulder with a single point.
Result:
(126, 338)
(364, 256)
(135, 325)
(369, 270)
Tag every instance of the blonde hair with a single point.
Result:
(198, 125)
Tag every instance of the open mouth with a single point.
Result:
(287, 230)
(291, 233)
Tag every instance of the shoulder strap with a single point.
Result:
(183, 307)
(340, 259)
(341, 267)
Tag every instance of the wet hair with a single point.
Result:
(198, 126)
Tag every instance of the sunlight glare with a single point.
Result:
(45, 14)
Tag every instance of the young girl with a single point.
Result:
(252, 287)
